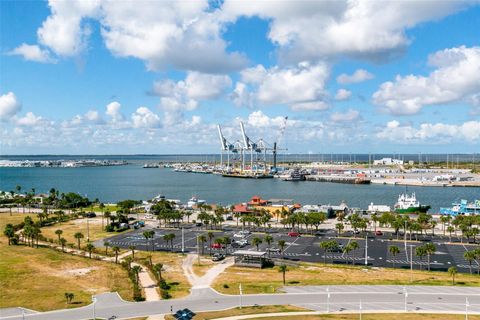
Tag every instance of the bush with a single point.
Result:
(164, 285)
(225, 286)
(109, 228)
(165, 294)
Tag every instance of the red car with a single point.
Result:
(217, 246)
(378, 233)
(293, 234)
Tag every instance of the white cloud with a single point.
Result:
(241, 96)
(9, 106)
(145, 118)
(456, 78)
(185, 94)
(359, 75)
(343, 94)
(348, 116)
(301, 87)
(93, 116)
(32, 53)
(113, 110)
(430, 133)
(314, 30)
(29, 119)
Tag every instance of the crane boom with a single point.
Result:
(223, 141)
(246, 140)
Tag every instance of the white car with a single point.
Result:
(245, 232)
(242, 242)
(239, 235)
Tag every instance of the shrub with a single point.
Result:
(109, 228)
(164, 285)
(165, 294)
(225, 286)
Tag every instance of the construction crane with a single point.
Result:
(275, 144)
(226, 146)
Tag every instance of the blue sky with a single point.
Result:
(126, 77)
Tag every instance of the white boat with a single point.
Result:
(194, 201)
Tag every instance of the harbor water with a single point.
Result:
(111, 184)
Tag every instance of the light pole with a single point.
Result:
(366, 250)
(88, 231)
(466, 308)
(94, 300)
(411, 262)
(240, 289)
(183, 241)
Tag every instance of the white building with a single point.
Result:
(387, 162)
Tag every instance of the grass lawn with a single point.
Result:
(173, 272)
(71, 227)
(377, 316)
(15, 218)
(203, 267)
(111, 208)
(269, 280)
(243, 311)
(38, 278)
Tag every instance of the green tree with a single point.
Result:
(283, 269)
(470, 256)
(281, 245)
(9, 232)
(346, 250)
(430, 250)
(63, 242)
(256, 242)
(210, 236)
(201, 240)
(394, 250)
(136, 270)
(79, 236)
(106, 244)
(339, 226)
(420, 252)
(132, 248)
(452, 271)
(69, 297)
(90, 248)
(116, 250)
(268, 240)
(58, 232)
(355, 246)
(158, 268)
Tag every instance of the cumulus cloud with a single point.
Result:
(9, 106)
(302, 87)
(349, 116)
(343, 94)
(359, 75)
(455, 78)
(185, 94)
(29, 119)
(113, 110)
(32, 53)
(313, 30)
(145, 118)
(431, 133)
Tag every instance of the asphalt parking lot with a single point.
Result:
(307, 248)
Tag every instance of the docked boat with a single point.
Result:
(151, 165)
(195, 202)
(408, 204)
(293, 175)
(463, 208)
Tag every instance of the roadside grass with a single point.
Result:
(243, 311)
(15, 218)
(202, 268)
(270, 280)
(111, 208)
(37, 278)
(376, 316)
(173, 272)
(71, 227)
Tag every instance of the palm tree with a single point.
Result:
(339, 227)
(256, 242)
(148, 234)
(169, 238)
(116, 250)
(89, 248)
(420, 252)
(69, 297)
(201, 240)
(429, 250)
(452, 271)
(132, 248)
(268, 239)
(58, 233)
(346, 250)
(9, 232)
(78, 236)
(394, 250)
(102, 206)
(470, 257)
(63, 242)
(158, 268)
(355, 246)
(281, 244)
(136, 270)
(106, 244)
(210, 236)
(450, 229)
(283, 269)
(324, 245)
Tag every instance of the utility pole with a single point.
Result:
(411, 263)
(88, 231)
(366, 250)
(183, 241)
(241, 292)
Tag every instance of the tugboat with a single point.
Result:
(463, 208)
(408, 204)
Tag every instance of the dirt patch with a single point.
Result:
(78, 272)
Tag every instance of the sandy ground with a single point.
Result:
(206, 280)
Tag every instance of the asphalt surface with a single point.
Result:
(321, 298)
(307, 248)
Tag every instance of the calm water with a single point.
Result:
(111, 184)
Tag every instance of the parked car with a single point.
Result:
(218, 257)
(229, 218)
(242, 242)
(90, 215)
(273, 250)
(198, 224)
(378, 233)
(338, 248)
(245, 232)
(217, 246)
(239, 235)
(293, 234)
(148, 216)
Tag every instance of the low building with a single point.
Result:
(387, 162)
(246, 258)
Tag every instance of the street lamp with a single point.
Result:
(366, 250)
(241, 292)
(328, 300)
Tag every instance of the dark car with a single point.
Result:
(378, 233)
(198, 224)
(90, 215)
(218, 257)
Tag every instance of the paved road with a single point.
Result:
(322, 298)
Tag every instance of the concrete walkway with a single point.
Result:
(207, 279)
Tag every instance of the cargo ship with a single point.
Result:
(408, 204)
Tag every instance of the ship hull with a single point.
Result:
(421, 209)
